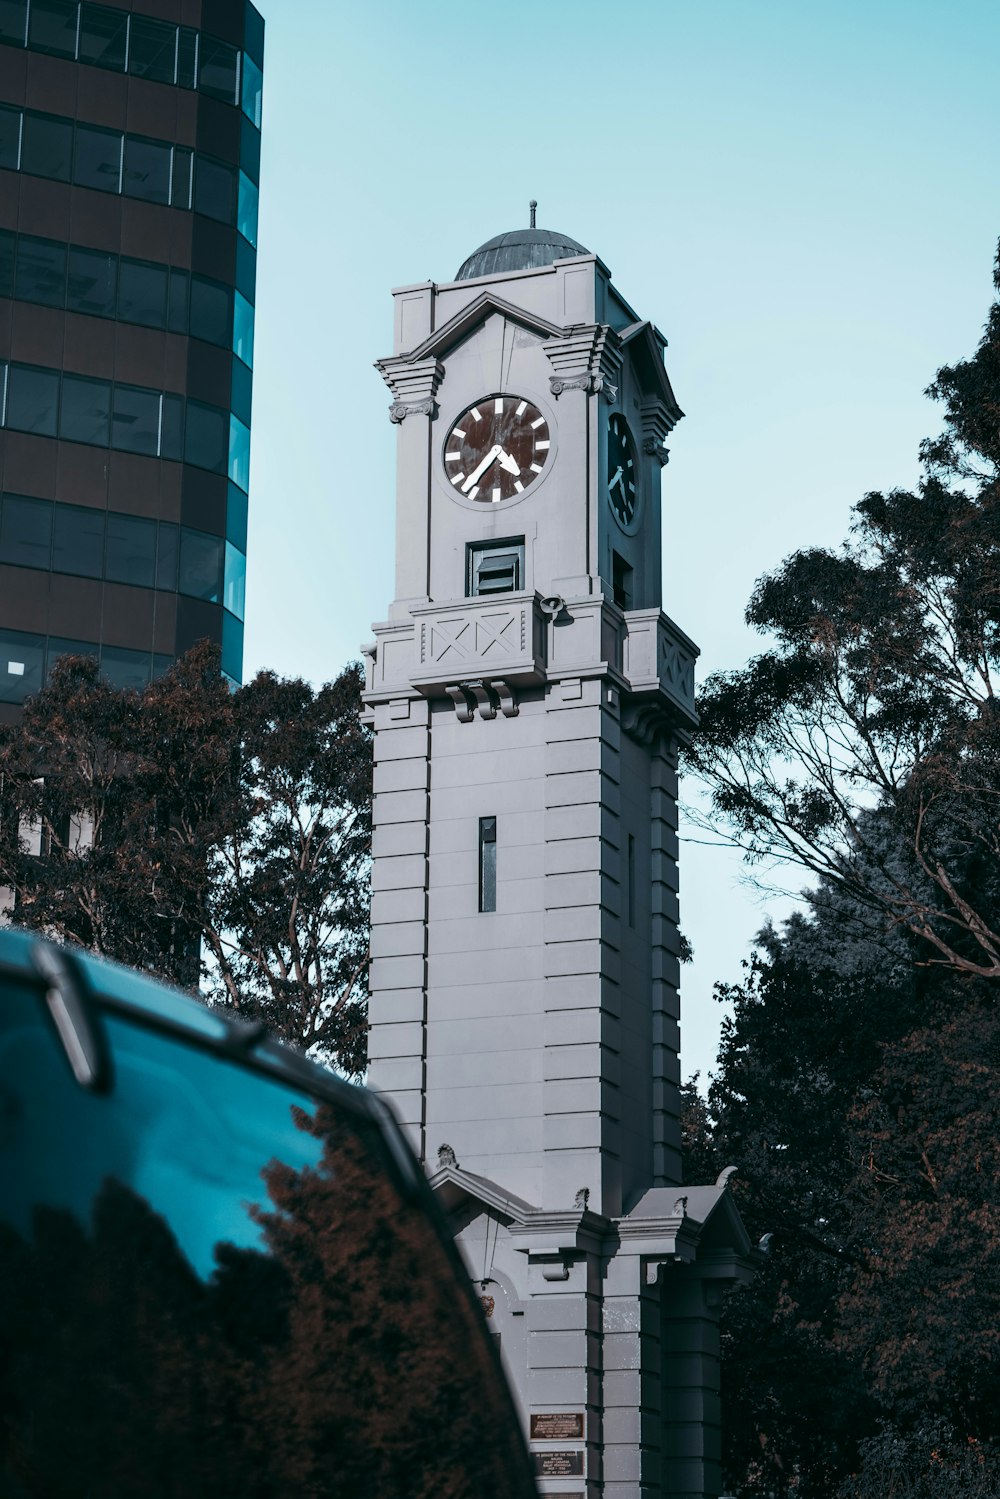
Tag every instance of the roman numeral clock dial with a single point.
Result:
(497, 449)
(622, 470)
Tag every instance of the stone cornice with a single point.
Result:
(588, 357)
(414, 385)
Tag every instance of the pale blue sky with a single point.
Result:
(803, 196)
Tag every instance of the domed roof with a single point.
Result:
(519, 250)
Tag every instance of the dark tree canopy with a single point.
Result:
(199, 832)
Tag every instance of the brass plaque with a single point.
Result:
(557, 1426)
(558, 1464)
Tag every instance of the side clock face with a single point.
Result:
(623, 472)
(496, 449)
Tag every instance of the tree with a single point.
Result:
(190, 820)
(857, 1080)
(864, 744)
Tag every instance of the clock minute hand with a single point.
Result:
(478, 472)
(618, 479)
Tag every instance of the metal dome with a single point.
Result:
(519, 250)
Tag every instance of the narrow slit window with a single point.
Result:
(621, 581)
(631, 880)
(487, 864)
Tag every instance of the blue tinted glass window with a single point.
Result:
(211, 311)
(236, 517)
(85, 410)
(187, 56)
(171, 427)
(93, 282)
(215, 189)
(152, 49)
(235, 591)
(243, 317)
(32, 399)
(135, 420)
(13, 21)
(246, 268)
(239, 453)
(59, 647)
(7, 242)
(25, 531)
(97, 159)
(180, 182)
(147, 170)
(166, 556)
(142, 293)
(10, 138)
(78, 541)
(218, 69)
(241, 391)
(206, 437)
(253, 91)
(177, 301)
(47, 146)
(124, 668)
(21, 660)
(52, 27)
(201, 566)
(102, 36)
(41, 272)
(250, 150)
(161, 665)
(130, 550)
(246, 221)
(253, 32)
(232, 646)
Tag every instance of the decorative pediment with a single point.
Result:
(444, 339)
(647, 345)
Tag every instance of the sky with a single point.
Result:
(802, 196)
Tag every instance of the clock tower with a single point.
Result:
(528, 695)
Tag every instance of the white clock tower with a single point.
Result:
(527, 694)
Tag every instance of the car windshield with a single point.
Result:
(213, 1284)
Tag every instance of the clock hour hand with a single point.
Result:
(479, 471)
(510, 464)
(618, 479)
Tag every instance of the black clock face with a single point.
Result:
(623, 473)
(496, 449)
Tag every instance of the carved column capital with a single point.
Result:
(414, 385)
(588, 358)
(657, 421)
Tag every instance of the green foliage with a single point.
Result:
(198, 832)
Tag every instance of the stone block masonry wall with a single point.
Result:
(689, 1382)
(397, 1043)
(582, 955)
(666, 968)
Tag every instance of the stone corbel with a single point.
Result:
(589, 359)
(414, 385)
(483, 698)
(656, 423)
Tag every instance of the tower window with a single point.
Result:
(487, 864)
(631, 880)
(621, 581)
(495, 567)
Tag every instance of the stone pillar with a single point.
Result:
(690, 1383)
(397, 1042)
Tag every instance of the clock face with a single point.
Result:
(623, 473)
(496, 449)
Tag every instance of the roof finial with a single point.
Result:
(532, 205)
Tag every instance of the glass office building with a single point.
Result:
(129, 171)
